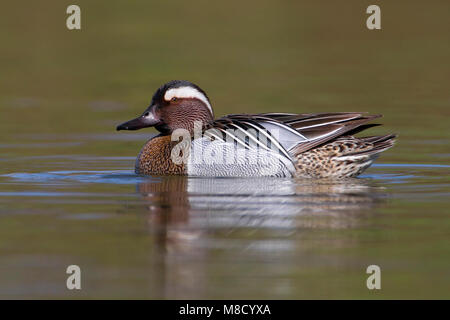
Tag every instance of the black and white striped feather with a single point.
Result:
(297, 133)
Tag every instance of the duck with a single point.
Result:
(192, 142)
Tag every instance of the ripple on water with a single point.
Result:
(110, 177)
(129, 177)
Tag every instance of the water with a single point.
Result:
(180, 237)
(68, 194)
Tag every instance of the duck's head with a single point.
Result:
(177, 104)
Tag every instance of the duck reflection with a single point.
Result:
(230, 203)
(200, 223)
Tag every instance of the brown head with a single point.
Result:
(177, 104)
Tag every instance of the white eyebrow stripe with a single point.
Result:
(187, 92)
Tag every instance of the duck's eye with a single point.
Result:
(146, 114)
(174, 99)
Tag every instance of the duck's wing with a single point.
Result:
(245, 131)
(291, 133)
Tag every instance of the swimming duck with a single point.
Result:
(191, 142)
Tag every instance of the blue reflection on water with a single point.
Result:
(129, 177)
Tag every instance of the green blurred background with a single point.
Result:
(294, 56)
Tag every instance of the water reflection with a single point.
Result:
(256, 203)
(201, 226)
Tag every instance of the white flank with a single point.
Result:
(187, 92)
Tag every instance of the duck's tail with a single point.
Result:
(358, 149)
(344, 157)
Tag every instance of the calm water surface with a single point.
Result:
(179, 237)
(68, 194)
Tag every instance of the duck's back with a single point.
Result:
(319, 145)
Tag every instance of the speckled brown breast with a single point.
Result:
(155, 158)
